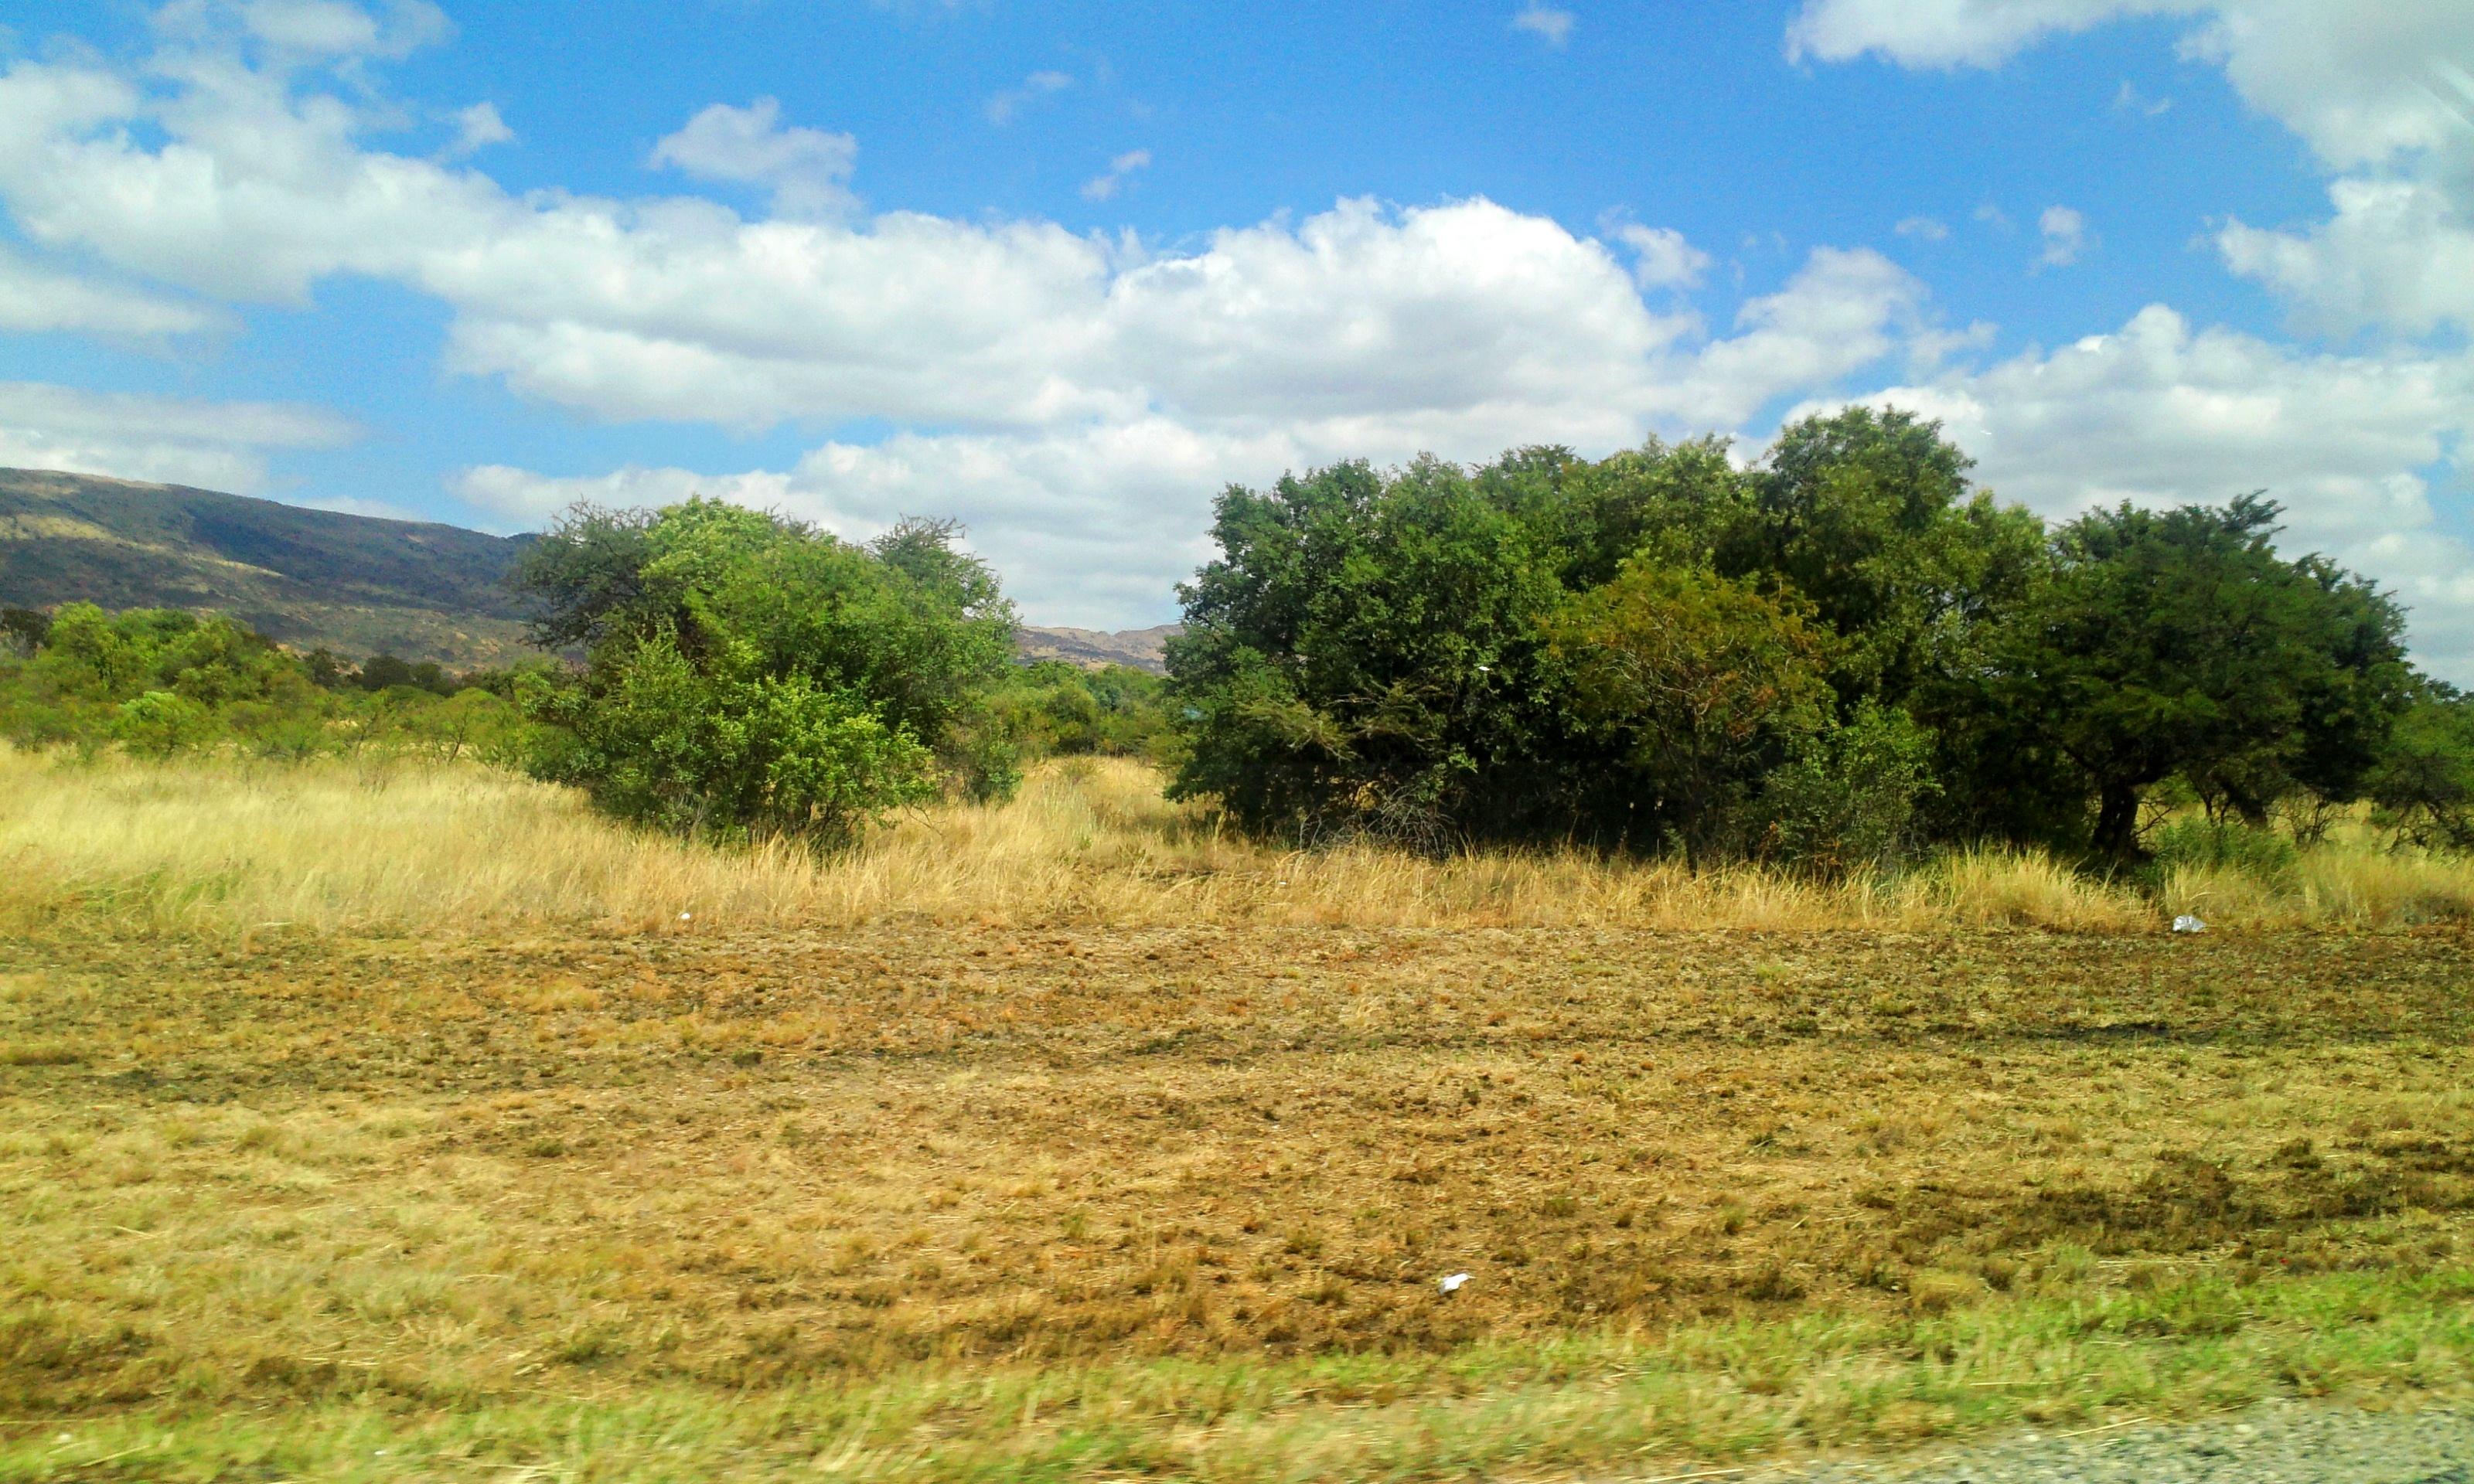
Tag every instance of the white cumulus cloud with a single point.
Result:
(477, 128)
(2383, 94)
(2066, 236)
(808, 169)
(1549, 23)
(1661, 257)
(1105, 186)
(1002, 107)
(35, 299)
(218, 446)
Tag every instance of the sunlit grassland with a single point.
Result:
(984, 1202)
(386, 1122)
(379, 846)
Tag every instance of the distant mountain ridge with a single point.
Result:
(1144, 649)
(359, 584)
(354, 583)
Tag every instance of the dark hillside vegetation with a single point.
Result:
(306, 578)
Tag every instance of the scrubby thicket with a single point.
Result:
(157, 683)
(1835, 658)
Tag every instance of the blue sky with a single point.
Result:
(1065, 269)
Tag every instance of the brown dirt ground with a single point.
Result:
(305, 1167)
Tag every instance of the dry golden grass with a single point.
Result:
(224, 848)
(389, 1123)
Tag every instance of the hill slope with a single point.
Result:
(354, 583)
(1095, 648)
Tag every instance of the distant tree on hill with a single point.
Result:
(24, 630)
(1050, 707)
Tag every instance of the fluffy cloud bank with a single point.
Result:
(214, 446)
(2383, 94)
(1078, 397)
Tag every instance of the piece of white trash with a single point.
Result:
(1452, 1283)
(2187, 923)
(687, 917)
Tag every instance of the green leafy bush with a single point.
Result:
(2423, 785)
(1847, 800)
(665, 742)
(751, 673)
(158, 723)
(1051, 708)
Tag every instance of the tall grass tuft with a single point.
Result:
(222, 847)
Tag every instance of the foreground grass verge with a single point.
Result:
(964, 1202)
(1597, 1406)
(364, 1124)
(228, 847)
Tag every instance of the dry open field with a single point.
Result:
(1052, 1193)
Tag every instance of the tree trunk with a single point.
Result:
(2116, 822)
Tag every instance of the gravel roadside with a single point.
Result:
(2277, 1443)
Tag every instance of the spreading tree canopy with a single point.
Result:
(2178, 642)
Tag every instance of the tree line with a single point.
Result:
(1836, 656)
(157, 682)
(722, 672)
(1839, 656)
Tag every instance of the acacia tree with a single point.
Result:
(2178, 642)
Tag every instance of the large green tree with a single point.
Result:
(1870, 518)
(1361, 652)
(1620, 650)
(2178, 641)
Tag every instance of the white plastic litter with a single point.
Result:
(2187, 923)
(687, 917)
(1452, 1285)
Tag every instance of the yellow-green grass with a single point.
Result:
(226, 847)
(944, 1200)
(1593, 1406)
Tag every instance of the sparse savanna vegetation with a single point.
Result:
(791, 1041)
